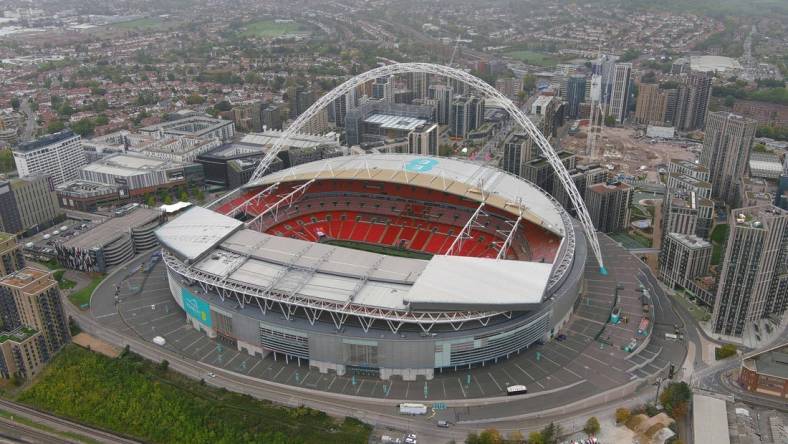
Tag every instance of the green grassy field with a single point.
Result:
(142, 23)
(82, 297)
(267, 29)
(535, 58)
(391, 251)
(138, 398)
(718, 238)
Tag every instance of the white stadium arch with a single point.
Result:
(472, 81)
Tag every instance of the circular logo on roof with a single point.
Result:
(420, 165)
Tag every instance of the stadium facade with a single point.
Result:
(389, 264)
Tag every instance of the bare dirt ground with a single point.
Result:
(622, 148)
(97, 345)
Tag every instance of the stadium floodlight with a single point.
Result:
(474, 82)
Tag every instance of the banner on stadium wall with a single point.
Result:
(196, 308)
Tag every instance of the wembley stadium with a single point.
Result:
(394, 264)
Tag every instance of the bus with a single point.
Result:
(516, 390)
(407, 408)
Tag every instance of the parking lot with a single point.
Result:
(556, 373)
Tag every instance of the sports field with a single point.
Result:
(535, 58)
(267, 29)
(390, 251)
(142, 23)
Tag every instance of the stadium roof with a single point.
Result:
(196, 231)
(337, 274)
(463, 178)
(464, 283)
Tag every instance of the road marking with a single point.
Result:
(173, 331)
(106, 315)
(233, 359)
(209, 352)
(359, 386)
(407, 389)
(494, 381)
(526, 373)
(391, 385)
(253, 367)
(347, 381)
(195, 341)
(332, 383)
(461, 388)
(277, 373)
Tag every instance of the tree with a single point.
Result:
(529, 82)
(726, 351)
(168, 200)
(622, 415)
(164, 365)
(101, 119)
(610, 120)
(184, 196)
(490, 436)
(535, 438)
(15, 103)
(551, 434)
(729, 101)
(675, 399)
(629, 55)
(472, 438)
(7, 161)
(55, 126)
(84, 127)
(592, 426)
(223, 106)
(150, 200)
(195, 99)
(515, 437)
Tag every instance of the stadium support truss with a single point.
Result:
(474, 82)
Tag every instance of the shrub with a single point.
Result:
(726, 351)
(622, 415)
(592, 426)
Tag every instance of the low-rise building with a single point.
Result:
(112, 242)
(136, 174)
(192, 124)
(58, 155)
(23, 353)
(766, 372)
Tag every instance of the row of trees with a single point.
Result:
(550, 434)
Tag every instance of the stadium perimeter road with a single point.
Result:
(589, 362)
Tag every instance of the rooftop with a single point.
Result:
(234, 149)
(268, 138)
(129, 165)
(609, 187)
(45, 141)
(709, 419)
(773, 362)
(690, 240)
(30, 280)
(108, 231)
(393, 122)
(17, 335)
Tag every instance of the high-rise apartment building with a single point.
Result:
(682, 258)
(383, 89)
(509, 86)
(11, 258)
(608, 205)
(692, 101)
(272, 117)
(575, 94)
(517, 150)
(339, 107)
(30, 298)
(423, 140)
(28, 205)
(687, 207)
(58, 155)
(467, 114)
(443, 94)
(23, 353)
(418, 83)
(652, 104)
(619, 95)
(726, 151)
(753, 283)
(299, 100)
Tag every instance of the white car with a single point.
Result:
(212, 374)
